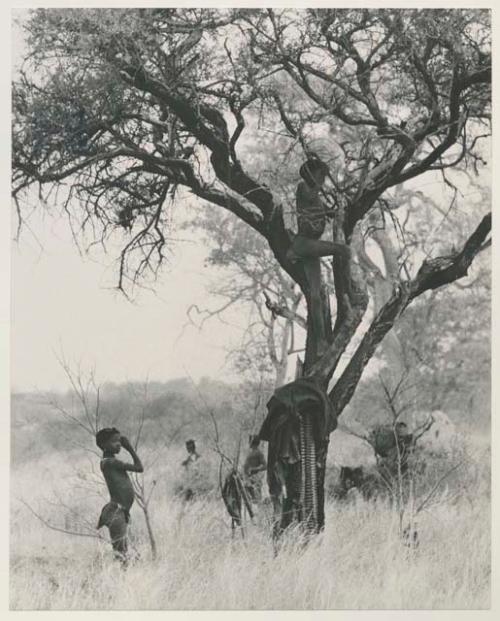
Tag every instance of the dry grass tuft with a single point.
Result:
(358, 562)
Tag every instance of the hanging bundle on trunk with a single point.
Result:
(299, 421)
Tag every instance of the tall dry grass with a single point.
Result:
(358, 562)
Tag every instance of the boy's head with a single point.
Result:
(190, 446)
(351, 477)
(401, 428)
(108, 439)
(314, 171)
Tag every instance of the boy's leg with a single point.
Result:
(118, 534)
(305, 247)
(249, 490)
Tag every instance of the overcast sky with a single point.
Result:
(61, 300)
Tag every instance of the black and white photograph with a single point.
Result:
(250, 307)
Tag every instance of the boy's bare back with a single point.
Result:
(118, 482)
(311, 213)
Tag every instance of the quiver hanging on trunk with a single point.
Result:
(232, 497)
(297, 427)
(235, 497)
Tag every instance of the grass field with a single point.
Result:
(358, 562)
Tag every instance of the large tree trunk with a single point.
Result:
(304, 501)
(324, 346)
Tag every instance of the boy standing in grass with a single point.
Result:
(116, 513)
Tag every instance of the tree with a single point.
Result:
(117, 114)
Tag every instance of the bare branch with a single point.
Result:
(57, 528)
(433, 273)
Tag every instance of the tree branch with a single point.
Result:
(216, 138)
(432, 274)
(283, 311)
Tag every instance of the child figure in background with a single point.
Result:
(255, 464)
(116, 513)
(192, 456)
(191, 471)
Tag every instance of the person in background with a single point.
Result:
(192, 456)
(255, 464)
(191, 472)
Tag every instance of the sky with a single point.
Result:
(64, 303)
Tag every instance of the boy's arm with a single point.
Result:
(263, 464)
(260, 467)
(263, 461)
(305, 201)
(137, 465)
(117, 464)
(246, 467)
(309, 205)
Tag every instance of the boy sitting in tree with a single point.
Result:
(307, 245)
(312, 215)
(116, 513)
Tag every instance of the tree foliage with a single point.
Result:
(117, 113)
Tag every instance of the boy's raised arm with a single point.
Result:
(137, 465)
